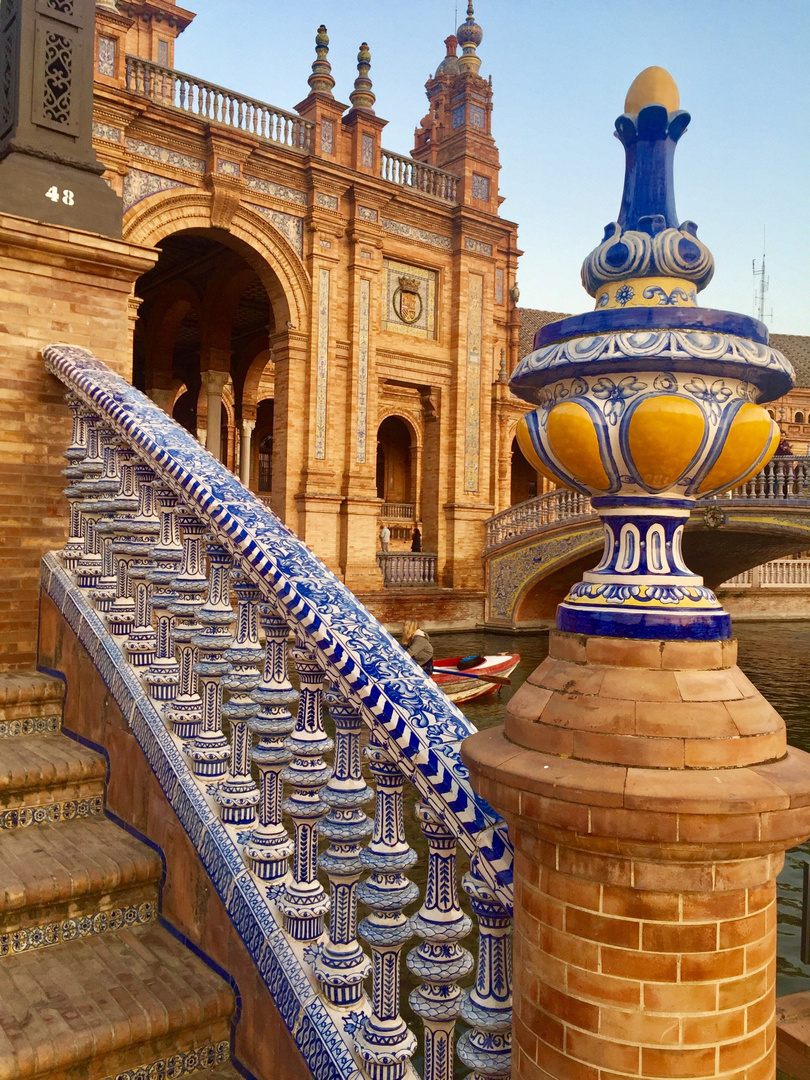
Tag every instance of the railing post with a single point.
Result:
(209, 751)
(382, 1039)
(487, 1047)
(304, 901)
(237, 795)
(269, 846)
(163, 676)
(439, 961)
(340, 964)
(141, 644)
(91, 485)
(74, 454)
(133, 530)
(184, 713)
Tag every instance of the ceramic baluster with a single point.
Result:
(383, 1040)
(209, 752)
(439, 961)
(104, 591)
(163, 676)
(269, 845)
(487, 1006)
(94, 489)
(184, 713)
(133, 529)
(340, 964)
(75, 453)
(303, 901)
(141, 644)
(238, 795)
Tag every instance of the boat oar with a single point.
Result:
(501, 680)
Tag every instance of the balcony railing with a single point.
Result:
(407, 568)
(211, 102)
(777, 574)
(413, 174)
(162, 538)
(784, 479)
(397, 511)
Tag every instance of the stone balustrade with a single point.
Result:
(783, 480)
(184, 590)
(407, 568)
(777, 574)
(397, 511)
(426, 179)
(211, 102)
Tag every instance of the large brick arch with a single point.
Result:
(269, 252)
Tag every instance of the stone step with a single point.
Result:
(71, 879)
(30, 702)
(48, 777)
(101, 1005)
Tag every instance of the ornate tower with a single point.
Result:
(456, 133)
(649, 787)
(48, 168)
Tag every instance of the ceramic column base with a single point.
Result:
(650, 796)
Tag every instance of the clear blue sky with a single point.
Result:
(560, 71)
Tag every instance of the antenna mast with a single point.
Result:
(761, 285)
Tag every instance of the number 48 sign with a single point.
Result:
(55, 195)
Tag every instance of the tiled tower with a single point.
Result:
(456, 134)
(648, 785)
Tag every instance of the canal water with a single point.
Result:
(776, 658)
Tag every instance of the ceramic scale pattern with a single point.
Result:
(649, 402)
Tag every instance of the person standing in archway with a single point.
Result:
(416, 540)
(385, 537)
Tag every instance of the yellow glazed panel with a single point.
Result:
(664, 436)
(524, 438)
(572, 439)
(751, 432)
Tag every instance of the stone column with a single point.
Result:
(214, 383)
(244, 451)
(650, 796)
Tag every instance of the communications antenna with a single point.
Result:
(761, 285)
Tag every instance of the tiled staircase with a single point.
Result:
(91, 984)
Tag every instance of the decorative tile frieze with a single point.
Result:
(367, 213)
(480, 187)
(53, 933)
(329, 201)
(477, 246)
(290, 226)
(22, 816)
(499, 286)
(362, 369)
(277, 191)
(458, 116)
(106, 55)
(409, 299)
(367, 152)
(182, 1064)
(139, 185)
(108, 132)
(29, 725)
(365, 254)
(327, 136)
(229, 168)
(477, 117)
(168, 157)
(326, 244)
(472, 427)
(322, 370)
(399, 228)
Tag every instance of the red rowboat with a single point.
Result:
(469, 682)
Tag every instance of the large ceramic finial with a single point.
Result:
(321, 80)
(469, 37)
(647, 247)
(362, 97)
(650, 402)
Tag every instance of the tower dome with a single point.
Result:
(469, 36)
(449, 66)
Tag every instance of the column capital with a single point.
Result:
(214, 381)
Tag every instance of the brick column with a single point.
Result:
(650, 797)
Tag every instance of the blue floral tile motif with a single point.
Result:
(625, 293)
(616, 395)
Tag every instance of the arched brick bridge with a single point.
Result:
(537, 549)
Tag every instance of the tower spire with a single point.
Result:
(469, 36)
(362, 97)
(321, 80)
